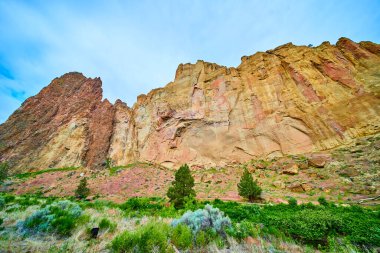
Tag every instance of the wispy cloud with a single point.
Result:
(135, 46)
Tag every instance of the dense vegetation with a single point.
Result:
(201, 223)
(59, 217)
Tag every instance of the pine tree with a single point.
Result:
(182, 187)
(248, 188)
(82, 191)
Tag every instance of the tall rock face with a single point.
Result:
(290, 100)
(66, 124)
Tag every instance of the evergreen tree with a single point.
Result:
(4, 169)
(182, 187)
(248, 188)
(82, 191)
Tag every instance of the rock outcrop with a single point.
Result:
(290, 100)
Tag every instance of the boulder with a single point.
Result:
(319, 160)
(296, 187)
(290, 169)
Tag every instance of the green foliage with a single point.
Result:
(182, 237)
(115, 169)
(150, 238)
(248, 188)
(2, 203)
(4, 170)
(308, 223)
(138, 207)
(82, 191)
(292, 202)
(108, 163)
(322, 201)
(325, 225)
(181, 187)
(9, 198)
(105, 224)
(204, 219)
(59, 217)
(203, 238)
(243, 229)
(32, 174)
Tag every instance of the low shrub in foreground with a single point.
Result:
(150, 238)
(59, 217)
(106, 224)
(182, 237)
(244, 229)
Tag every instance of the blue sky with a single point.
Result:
(135, 46)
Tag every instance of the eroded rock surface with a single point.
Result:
(290, 100)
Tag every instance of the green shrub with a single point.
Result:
(292, 202)
(4, 170)
(204, 219)
(201, 239)
(2, 203)
(322, 201)
(243, 229)
(151, 237)
(182, 237)
(238, 212)
(181, 187)
(108, 163)
(27, 201)
(9, 198)
(59, 217)
(248, 188)
(107, 224)
(82, 191)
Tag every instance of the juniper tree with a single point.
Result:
(182, 187)
(248, 188)
(82, 191)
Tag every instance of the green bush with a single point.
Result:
(149, 238)
(203, 238)
(322, 201)
(292, 202)
(204, 219)
(9, 198)
(182, 237)
(243, 229)
(138, 203)
(2, 203)
(59, 217)
(107, 224)
(4, 170)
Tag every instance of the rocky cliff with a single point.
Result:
(290, 100)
